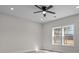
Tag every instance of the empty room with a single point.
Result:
(39, 29)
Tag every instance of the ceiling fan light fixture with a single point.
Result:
(44, 12)
(11, 9)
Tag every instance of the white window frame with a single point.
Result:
(53, 34)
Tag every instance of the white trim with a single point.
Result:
(23, 51)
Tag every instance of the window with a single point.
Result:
(63, 35)
(57, 32)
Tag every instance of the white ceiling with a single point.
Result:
(26, 12)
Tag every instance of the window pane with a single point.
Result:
(68, 35)
(57, 35)
(57, 40)
(57, 31)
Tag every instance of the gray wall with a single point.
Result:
(21, 35)
(47, 34)
(18, 35)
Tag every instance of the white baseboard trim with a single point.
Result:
(59, 51)
(23, 51)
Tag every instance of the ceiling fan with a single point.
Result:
(44, 9)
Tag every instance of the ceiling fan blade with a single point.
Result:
(51, 12)
(49, 7)
(38, 7)
(38, 11)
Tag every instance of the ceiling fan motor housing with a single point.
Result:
(44, 8)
